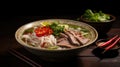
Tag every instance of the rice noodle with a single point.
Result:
(50, 40)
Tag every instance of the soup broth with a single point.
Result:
(56, 35)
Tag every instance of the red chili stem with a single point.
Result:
(112, 45)
(108, 42)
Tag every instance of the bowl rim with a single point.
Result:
(36, 48)
(112, 16)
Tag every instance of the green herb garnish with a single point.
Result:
(96, 16)
(57, 29)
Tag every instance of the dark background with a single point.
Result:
(14, 15)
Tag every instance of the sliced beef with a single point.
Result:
(63, 42)
(82, 40)
(79, 37)
(72, 38)
(63, 35)
(60, 39)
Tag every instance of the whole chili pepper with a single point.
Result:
(108, 42)
(112, 45)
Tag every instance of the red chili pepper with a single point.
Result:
(112, 45)
(108, 42)
(41, 31)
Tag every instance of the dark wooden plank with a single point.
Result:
(98, 64)
(114, 60)
(86, 53)
(114, 31)
(85, 58)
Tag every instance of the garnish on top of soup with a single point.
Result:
(55, 35)
(95, 16)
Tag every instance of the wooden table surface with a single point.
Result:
(86, 58)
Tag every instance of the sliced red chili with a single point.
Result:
(42, 31)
